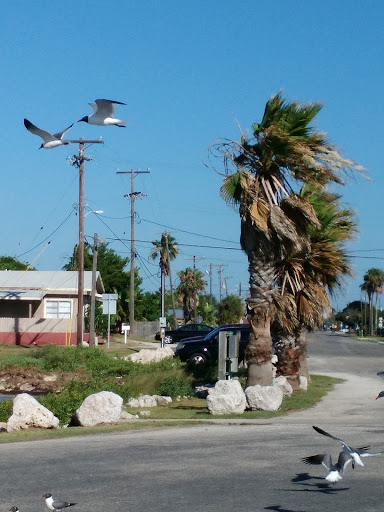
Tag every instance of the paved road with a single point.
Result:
(218, 468)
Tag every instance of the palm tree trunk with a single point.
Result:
(259, 349)
(370, 297)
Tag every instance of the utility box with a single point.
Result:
(228, 360)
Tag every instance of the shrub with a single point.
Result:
(6, 407)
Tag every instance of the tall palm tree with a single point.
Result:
(191, 282)
(308, 278)
(167, 249)
(284, 152)
(373, 284)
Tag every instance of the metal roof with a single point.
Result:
(47, 280)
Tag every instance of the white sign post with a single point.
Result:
(109, 308)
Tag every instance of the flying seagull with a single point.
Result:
(103, 114)
(55, 504)
(50, 141)
(381, 394)
(335, 471)
(354, 453)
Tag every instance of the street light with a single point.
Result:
(96, 212)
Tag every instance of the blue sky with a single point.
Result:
(187, 71)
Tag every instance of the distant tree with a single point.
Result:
(191, 283)
(147, 307)
(230, 310)
(351, 314)
(372, 285)
(11, 263)
(207, 309)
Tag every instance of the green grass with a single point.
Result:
(196, 408)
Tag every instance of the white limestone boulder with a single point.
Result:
(147, 355)
(227, 397)
(265, 398)
(28, 412)
(148, 401)
(283, 384)
(99, 408)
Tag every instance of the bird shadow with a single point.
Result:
(323, 488)
(301, 477)
(277, 508)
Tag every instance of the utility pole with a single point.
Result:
(78, 161)
(93, 293)
(194, 288)
(132, 196)
(219, 271)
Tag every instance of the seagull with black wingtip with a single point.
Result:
(104, 111)
(56, 504)
(50, 140)
(354, 453)
(335, 471)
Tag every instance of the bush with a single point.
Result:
(6, 407)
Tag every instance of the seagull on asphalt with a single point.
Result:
(13, 509)
(50, 141)
(335, 471)
(381, 394)
(103, 114)
(55, 504)
(354, 453)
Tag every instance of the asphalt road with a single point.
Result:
(220, 467)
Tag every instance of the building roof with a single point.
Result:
(47, 281)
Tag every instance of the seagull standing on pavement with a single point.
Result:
(13, 509)
(103, 114)
(381, 394)
(55, 504)
(335, 471)
(50, 141)
(354, 453)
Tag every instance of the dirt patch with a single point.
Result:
(29, 380)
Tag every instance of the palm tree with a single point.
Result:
(167, 249)
(191, 282)
(308, 278)
(373, 284)
(284, 152)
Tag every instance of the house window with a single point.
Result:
(57, 309)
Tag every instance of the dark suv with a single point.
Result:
(204, 348)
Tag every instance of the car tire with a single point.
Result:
(197, 358)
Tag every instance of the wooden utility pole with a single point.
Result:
(93, 293)
(79, 162)
(132, 196)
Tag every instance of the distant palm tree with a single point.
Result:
(373, 284)
(191, 282)
(167, 249)
(284, 152)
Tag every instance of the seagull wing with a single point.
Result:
(363, 452)
(321, 458)
(94, 106)
(344, 444)
(381, 374)
(59, 504)
(46, 136)
(343, 460)
(107, 107)
(59, 135)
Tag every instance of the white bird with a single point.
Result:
(103, 114)
(354, 453)
(335, 471)
(50, 141)
(56, 504)
(13, 509)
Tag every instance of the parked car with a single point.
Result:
(185, 331)
(203, 348)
